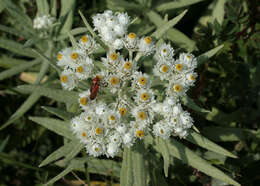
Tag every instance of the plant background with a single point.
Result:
(228, 86)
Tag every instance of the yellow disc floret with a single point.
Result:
(84, 134)
(83, 101)
(192, 77)
(148, 40)
(64, 79)
(114, 81)
(84, 39)
(178, 67)
(140, 133)
(132, 35)
(128, 65)
(177, 88)
(99, 131)
(145, 96)
(164, 68)
(142, 80)
(112, 117)
(113, 56)
(142, 115)
(122, 111)
(80, 69)
(162, 131)
(74, 56)
(59, 56)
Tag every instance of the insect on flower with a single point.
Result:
(94, 88)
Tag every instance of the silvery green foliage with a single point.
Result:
(104, 126)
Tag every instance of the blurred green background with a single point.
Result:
(228, 85)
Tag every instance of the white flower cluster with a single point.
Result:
(43, 22)
(121, 106)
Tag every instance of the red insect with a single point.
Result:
(94, 88)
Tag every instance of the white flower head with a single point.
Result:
(68, 79)
(162, 130)
(146, 45)
(164, 53)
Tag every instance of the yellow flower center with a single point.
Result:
(89, 118)
(96, 149)
(84, 39)
(112, 117)
(178, 67)
(148, 40)
(140, 133)
(177, 88)
(83, 134)
(80, 69)
(114, 81)
(113, 56)
(98, 130)
(188, 56)
(74, 55)
(128, 65)
(59, 56)
(145, 96)
(162, 131)
(142, 115)
(192, 77)
(64, 79)
(132, 35)
(174, 120)
(74, 124)
(164, 50)
(83, 101)
(164, 68)
(122, 111)
(142, 80)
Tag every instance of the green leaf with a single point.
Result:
(17, 69)
(202, 141)
(58, 126)
(4, 143)
(205, 56)
(42, 7)
(56, 94)
(67, 9)
(139, 169)
(74, 31)
(73, 165)
(175, 4)
(59, 112)
(74, 151)
(164, 28)
(225, 134)
(188, 102)
(218, 11)
(8, 62)
(15, 47)
(173, 34)
(126, 174)
(183, 153)
(54, 8)
(30, 101)
(123, 5)
(13, 31)
(164, 150)
(61, 152)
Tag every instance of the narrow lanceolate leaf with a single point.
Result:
(58, 126)
(9, 62)
(61, 152)
(123, 5)
(73, 32)
(126, 174)
(173, 34)
(19, 33)
(30, 101)
(175, 4)
(73, 165)
(183, 153)
(74, 151)
(58, 112)
(225, 134)
(166, 155)
(205, 56)
(42, 7)
(202, 141)
(16, 70)
(163, 29)
(15, 47)
(188, 102)
(67, 9)
(56, 94)
(139, 169)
